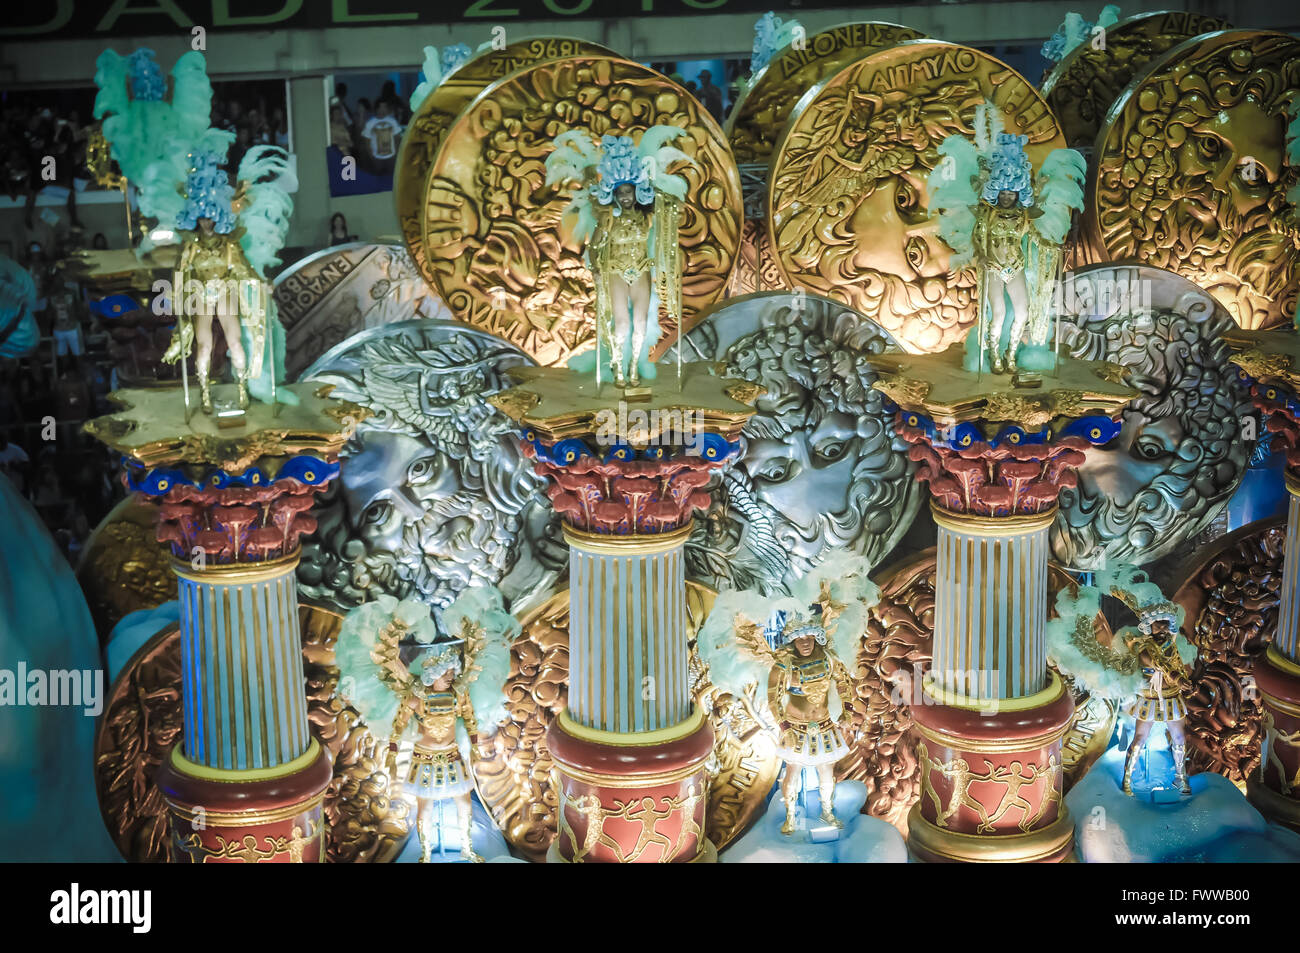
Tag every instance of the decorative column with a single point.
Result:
(246, 782)
(626, 475)
(991, 715)
(1269, 364)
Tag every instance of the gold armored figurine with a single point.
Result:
(799, 693)
(453, 681)
(437, 771)
(1163, 696)
(215, 281)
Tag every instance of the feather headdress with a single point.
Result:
(600, 169)
(972, 172)
(1075, 30)
(744, 627)
(1113, 672)
(438, 65)
(771, 35)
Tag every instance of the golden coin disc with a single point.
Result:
(846, 196)
(758, 116)
(1083, 85)
(1189, 172)
(495, 244)
(439, 110)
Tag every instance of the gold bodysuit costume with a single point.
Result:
(621, 243)
(998, 239)
(215, 260)
(437, 770)
(798, 691)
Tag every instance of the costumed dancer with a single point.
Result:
(798, 652)
(628, 209)
(231, 237)
(1167, 683)
(994, 211)
(1146, 666)
(438, 692)
(214, 281)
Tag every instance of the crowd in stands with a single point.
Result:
(39, 125)
(46, 396)
(369, 132)
(36, 128)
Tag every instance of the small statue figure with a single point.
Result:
(995, 211)
(798, 654)
(1162, 697)
(799, 687)
(437, 771)
(435, 691)
(215, 281)
(1146, 667)
(629, 214)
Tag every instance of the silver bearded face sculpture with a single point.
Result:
(1181, 452)
(822, 467)
(434, 495)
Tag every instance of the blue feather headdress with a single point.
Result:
(1009, 170)
(455, 56)
(145, 77)
(621, 164)
(1074, 30)
(208, 194)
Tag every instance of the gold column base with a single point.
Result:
(930, 844)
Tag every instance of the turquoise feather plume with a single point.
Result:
(1059, 192)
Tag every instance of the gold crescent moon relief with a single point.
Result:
(439, 110)
(1082, 87)
(755, 122)
(1190, 173)
(846, 195)
(496, 248)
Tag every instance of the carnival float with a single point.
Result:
(906, 467)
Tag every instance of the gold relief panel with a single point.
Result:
(846, 194)
(756, 120)
(491, 232)
(1190, 173)
(428, 126)
(1082, 87)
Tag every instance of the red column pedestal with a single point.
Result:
(991, 787)
(232, 817)
(627, 471)
(1274, 790)
(246, 781)
(631, 803)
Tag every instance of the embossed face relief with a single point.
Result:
(821, 467)
(434, 494)
(1180, 454)
(1191, 175)
(846, 205)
